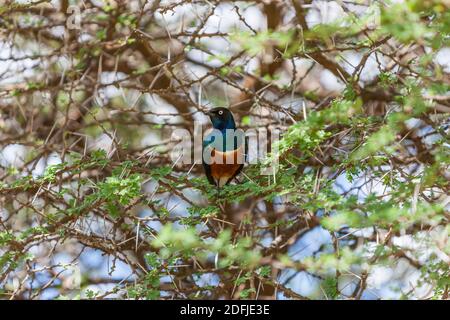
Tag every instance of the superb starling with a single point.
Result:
(224, 149)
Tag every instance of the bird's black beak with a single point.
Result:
(209, 113)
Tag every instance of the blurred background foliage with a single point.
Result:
(94, 204)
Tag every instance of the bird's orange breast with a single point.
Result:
(224, 165)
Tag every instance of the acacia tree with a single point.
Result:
(94, 205)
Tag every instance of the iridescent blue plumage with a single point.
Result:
(231, 149)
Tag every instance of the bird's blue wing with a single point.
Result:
(207, 142)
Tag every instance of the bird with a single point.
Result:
(222, 162)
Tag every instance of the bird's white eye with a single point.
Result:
(220, 112)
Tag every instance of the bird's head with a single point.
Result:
(221, 118)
